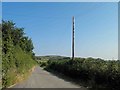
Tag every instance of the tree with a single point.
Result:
(17, 52)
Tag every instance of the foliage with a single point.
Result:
(95, 71)
(17, 54)
(43, 63)
(51, 57)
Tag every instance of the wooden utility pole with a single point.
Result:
(73, 37)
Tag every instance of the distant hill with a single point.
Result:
(51, 57)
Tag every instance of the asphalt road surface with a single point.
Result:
(43, 79)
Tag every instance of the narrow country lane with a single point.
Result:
(43, 79)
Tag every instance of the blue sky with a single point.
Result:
(60, 1)
(49, 25)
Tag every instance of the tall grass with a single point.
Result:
(16, 66)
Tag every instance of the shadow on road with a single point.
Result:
(83, 85)
(67, 79)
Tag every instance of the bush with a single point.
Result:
(43, 64)
(95, 71)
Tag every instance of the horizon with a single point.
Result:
(74, 57)
(49, 25)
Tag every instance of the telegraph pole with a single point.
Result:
(73, 28)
